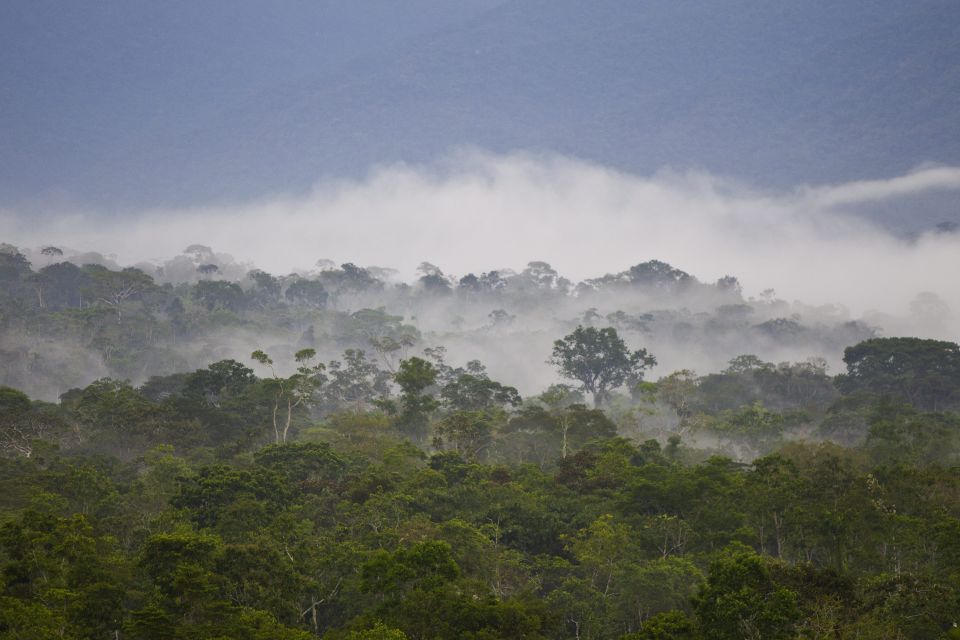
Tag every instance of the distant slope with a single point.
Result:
(773, 92)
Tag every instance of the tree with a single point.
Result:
(603, 549)
(542, 434)
(898, 432)
(679, 391)
(21, 425)
(747, 363)
(307, 293)
(293, 391)
(219, 381)
(659, 275)
(741, 600)
(62, 285)
(310, 466)
(473, 390)
(468, 433)
(356, 382)
(349, 278)
(581, 609)
(236, 501)
(651, 276)
(223, 399)
(187, 600)
(432, 280)
(538, 280)
(669, 625)
(265, 291)
(486, 284)
(654, 597)
(600, 360)
(379, 631)
(561, 401)
(772, 486)
(925, 373)
(219, 294)
(14, 271)
(753, 423)
(386, 333)
(415, 376)
(114, 288)
(61, 564)
(113, 414)
(208, 269)
(425, 565)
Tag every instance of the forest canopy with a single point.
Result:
(349, 459)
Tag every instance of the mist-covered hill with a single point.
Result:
(68, 318)
(123, 103)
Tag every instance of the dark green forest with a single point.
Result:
(203, 450)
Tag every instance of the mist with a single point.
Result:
(479, 211)
(812, 256)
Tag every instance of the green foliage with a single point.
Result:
(415, 376)
(670, 625)
(219, 295)
(378, 632)
(13, 402)
(61, 563)
(355, 383)
(425, 566)
(309, 293)
(474, 391)
(753, 422)
(925, 373)
(26, 426)
(899, 433)
(599, 360)
(469, 433)
(232, 500)
(311, 466)
(297, 391)
(114, 415)
(162, 512)
(740, 600)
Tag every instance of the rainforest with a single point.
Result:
(205, 450)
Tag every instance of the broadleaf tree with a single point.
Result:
(600, 360)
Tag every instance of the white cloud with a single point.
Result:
(483, 212)
(937, 178)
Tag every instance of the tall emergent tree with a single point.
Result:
(415, 377)
(294, 391)
(600, 360)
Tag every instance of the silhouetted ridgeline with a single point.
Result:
(69, 318)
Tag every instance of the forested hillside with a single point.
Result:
(204, 450)
(68, 318)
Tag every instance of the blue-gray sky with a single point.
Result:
(131, 103)
(805, 146)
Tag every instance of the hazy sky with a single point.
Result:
(120, 103)
(482, 212)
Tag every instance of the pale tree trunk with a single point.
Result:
(276, 429)
(291, 405)
(778, 533)
(565, 427)
(286, 426)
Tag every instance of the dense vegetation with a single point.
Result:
(393, 492)
(67, 318)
